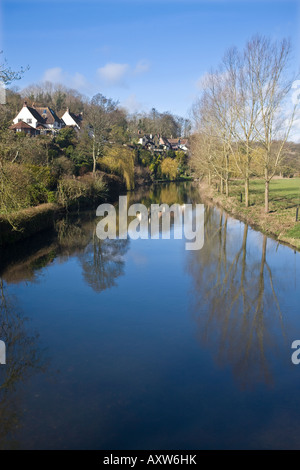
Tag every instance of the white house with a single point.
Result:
(42, 118)
(71, 119)
(146, 139)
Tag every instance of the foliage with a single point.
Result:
(66, 137)
(23, 186)
(169, 168)
(76, 190)
(120, 161)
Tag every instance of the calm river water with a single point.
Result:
(141, 344)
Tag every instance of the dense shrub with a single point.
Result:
(23, 186)
(73, 191)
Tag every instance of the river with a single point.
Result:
(142, 344)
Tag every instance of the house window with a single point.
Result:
(29, 121)
(20, 120)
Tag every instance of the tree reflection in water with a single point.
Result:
(103, 262)
(23, 359)
(234, 300)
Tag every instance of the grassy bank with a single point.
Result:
(280, 222)
(27, 222)
(78, 195)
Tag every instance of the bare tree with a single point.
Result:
(99, 117)
(244, 109)
(268, 62)
(245, 103)
(214, 117)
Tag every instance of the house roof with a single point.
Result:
(21, 125)
(164, 140)
(43, 115)
(46, 115)
(178, 141)
(35, 113)
(77, 118)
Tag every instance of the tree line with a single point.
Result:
(244, 116)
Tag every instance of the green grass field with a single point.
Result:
(284, 193)
(283, 202)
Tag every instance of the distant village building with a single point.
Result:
(36, 120)
(146, 140)
(158, 142)
(42, 118)
(179, 144)
(164, 143)
(72, 120)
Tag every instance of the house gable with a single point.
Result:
(71, 119)
(27, 115)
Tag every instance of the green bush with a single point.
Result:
(23, 186)
(75, 191)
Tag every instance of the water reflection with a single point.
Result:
(75, 236)
(102, 261)
(137, 366)
(234, 299)
(24, 358)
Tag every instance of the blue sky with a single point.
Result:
(145, 54)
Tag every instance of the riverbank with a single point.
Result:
(24, 223)
(280, 223)
(30, 221)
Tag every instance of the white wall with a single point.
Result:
(24, 115)
(68, 120)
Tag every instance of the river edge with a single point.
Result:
(36, 219)
(211, 197)
(32, 220)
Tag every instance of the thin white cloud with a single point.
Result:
(141, 67)
(54, 75)
(79, 81)
(132, 104)
(113, 74)
(58, 75)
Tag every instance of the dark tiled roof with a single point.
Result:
(35, 114)
(77, 118)
(47, 115)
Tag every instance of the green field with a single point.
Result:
(284, 193)
(283, 202)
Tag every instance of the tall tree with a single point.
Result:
(100, 118)
(269, 62)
